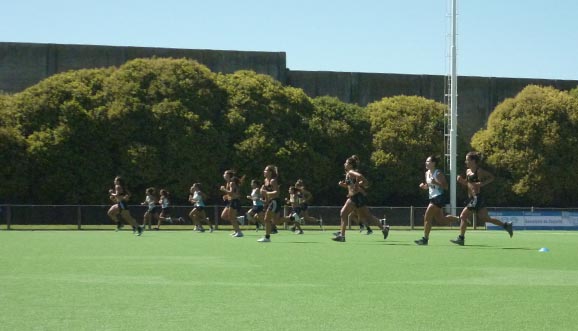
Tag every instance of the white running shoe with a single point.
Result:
(264, 240)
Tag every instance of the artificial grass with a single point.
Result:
(177, 280)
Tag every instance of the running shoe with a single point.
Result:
(509, 226)
(385, 232)
(339, 238)
(422, 242)
(459, 241)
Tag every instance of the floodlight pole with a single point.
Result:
(454, 112)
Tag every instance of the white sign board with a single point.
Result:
(536, 220)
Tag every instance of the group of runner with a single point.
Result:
(267, 205)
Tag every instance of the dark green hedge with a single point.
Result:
(172, 122)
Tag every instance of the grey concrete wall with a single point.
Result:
(25, 64)
(478, 96)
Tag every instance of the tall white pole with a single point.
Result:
(454, 112)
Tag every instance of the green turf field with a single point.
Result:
(180, 280)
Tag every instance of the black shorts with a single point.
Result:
(166, 212)
(476, 203)
(438, 201)
(359, 200)
(274, 206)
(122, 205)
(257, 209)
(304, 206)
(296, 210)
(234, 204)
(154, 210)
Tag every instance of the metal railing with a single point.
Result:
(87, 216)
(94, 216)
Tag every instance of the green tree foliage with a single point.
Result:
(405, 130)
(5, 100)
(574, 92)
(149, 120)
(14, 169)
(172, 122)
(63, 136)
(338, 130)
(164, 119)
(266, 123)
(530, 142)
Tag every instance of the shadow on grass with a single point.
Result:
(405, 243)
(297, 242)
(387, 243)
(520, 248)
(496, 247)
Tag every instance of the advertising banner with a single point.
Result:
(536, 220)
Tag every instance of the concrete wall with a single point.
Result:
(25, 64)
(478, 96)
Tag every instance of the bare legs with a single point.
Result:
(363, 213)
(483, 216)
(230, 214)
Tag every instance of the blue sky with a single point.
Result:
(497, 38)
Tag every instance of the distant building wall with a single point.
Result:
(25, 64)
(478, 96)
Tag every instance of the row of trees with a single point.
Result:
(172, 122)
